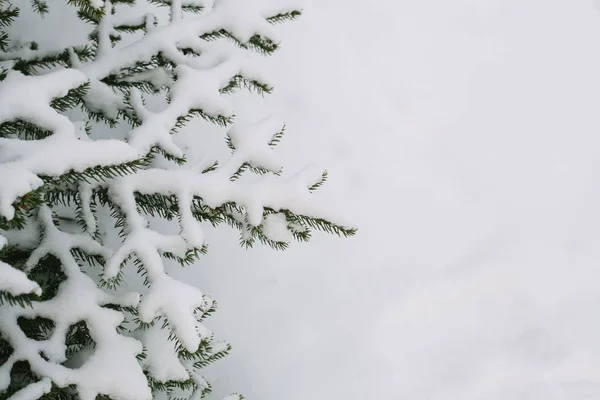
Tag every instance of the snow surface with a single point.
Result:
(464, 138)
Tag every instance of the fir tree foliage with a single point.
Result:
(70, 329)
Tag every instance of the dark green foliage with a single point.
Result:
(248, 167)
(220, 120)
(4, 41)
(23, 206)
(261, 45)
(78, 338)
(319, 183)
(98, 173)
(130, 28)
(37, 328)
(23, 130)
(86, 11)
(50, 59)
(277, 137)
(167, 156)
(320, 224)
(252, 85)
(192, 8)
(56, 393)
(284, 17)
(21, 301)
(49, 275)
(20, 377)
(5, 351)
(72, 99)
(191, 256)
(8, 13)
(257, 43)
(40, 6)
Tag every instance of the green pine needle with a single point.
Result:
(284, 17)
(40, 7)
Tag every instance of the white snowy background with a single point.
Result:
(463, 137)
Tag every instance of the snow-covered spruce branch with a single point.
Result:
(65, 196)
(113, 368)
(228, 19)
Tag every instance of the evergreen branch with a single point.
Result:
(260, 44)
(140, 269)
(320, 182)
(168, 386)
(14, 256)
(38, 60)
(8, 15)
(94, 260)
(98, 173)
(157, 205)
(114, 283)
(277, 137)
(87, 10)
(23, 130)
(130, 28)
(284, 17)
(61, 393)
(202, 212)
(91, 18)
(22, 301)
(169, 157)
(191, 6)
(204, 355)
(21, 376)
(299, 230)
(249, 235)
(72, 99)
(204, 312)
(97, 116)
(48, 274)
(248, 240)
(6, 350)
(23, 206)
(320, 224)
(229, 143)
(40, 7)
(78, 337)
(211, 167)
(136, 68)
(124, 85)
(141, 325)
(252, 85)
(4, 41)
(206, 358)
(245, 167)
(191, 256)
(38, 328)
(219, 120)
(60, 196)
